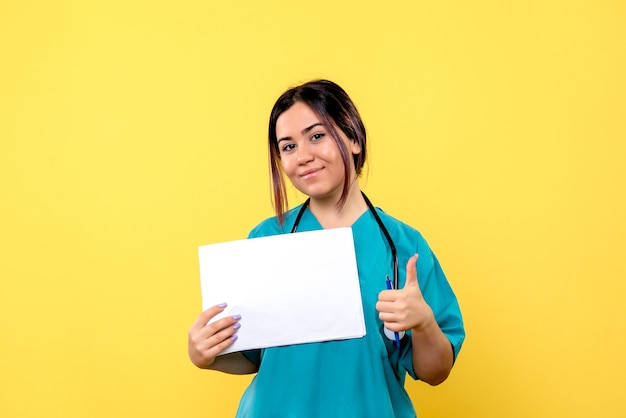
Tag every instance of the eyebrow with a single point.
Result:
(303, 132)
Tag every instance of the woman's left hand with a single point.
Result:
(405, 309)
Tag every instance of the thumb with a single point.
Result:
(411, 272)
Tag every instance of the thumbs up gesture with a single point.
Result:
(405, 309)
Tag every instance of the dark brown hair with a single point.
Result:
(335, 109)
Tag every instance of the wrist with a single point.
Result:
(426, 326)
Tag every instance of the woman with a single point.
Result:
(317, 140)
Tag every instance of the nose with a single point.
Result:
(305, 154)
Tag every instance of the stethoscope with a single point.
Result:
(394, 255)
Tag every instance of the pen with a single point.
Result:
(395, 334)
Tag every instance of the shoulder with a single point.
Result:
(398, 226)
(271, 226)
(405, 235)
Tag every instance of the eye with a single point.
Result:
(317, 137)
(287, 147)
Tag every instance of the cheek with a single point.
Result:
(330, 152)
(287, 165)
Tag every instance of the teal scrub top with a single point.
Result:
(361, 377)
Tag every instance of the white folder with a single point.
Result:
(289, 289)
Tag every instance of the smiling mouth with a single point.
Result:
(310, 173)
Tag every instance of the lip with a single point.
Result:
(310, 173)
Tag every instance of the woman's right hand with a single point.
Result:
(206, 340)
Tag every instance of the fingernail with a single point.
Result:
(233, 337)
(222, 305)
(236, 317)
(237, 326)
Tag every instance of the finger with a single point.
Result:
(228, 332)
(203, 349)
(206, 316)
(387, 316)
(209, 330)
(221, 346)
(393, 321)
(388, 295)
(411, 272)
(214, 333)
(394, 326)
(385, 306)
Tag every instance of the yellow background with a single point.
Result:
(133, 132)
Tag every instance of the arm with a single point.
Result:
(405, 309)
(234, 363)
(431, 352)
(207, 341)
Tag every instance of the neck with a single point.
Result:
(329, 215)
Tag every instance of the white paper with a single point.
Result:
(289, 289)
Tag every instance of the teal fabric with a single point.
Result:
(361, 377)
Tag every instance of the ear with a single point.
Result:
(355, 147)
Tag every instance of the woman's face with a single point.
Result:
(309, 155)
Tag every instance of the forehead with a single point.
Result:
(293, 120)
